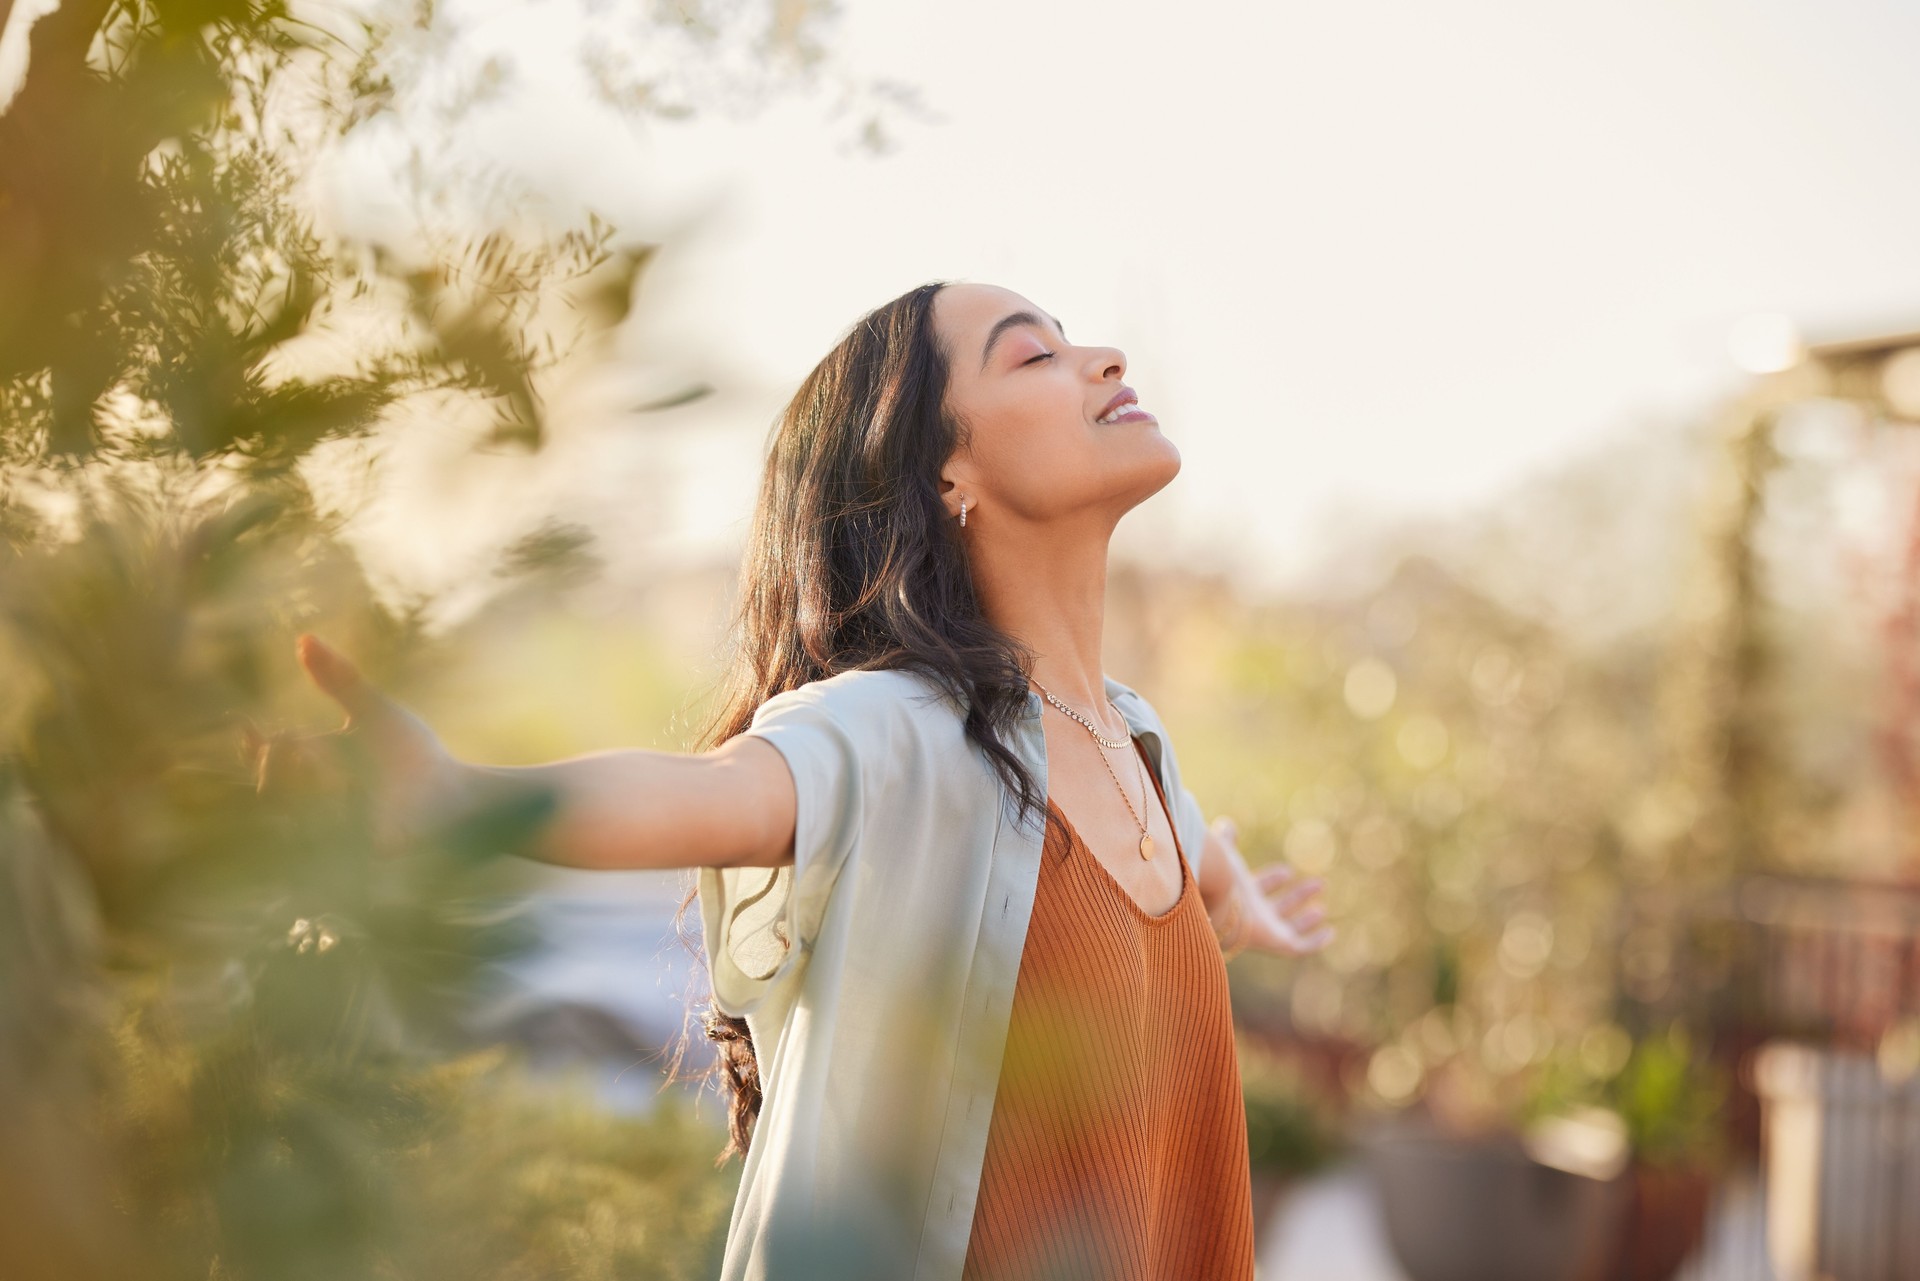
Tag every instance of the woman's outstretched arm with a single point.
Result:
(626, 808)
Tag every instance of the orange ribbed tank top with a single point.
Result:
(1117, 1149)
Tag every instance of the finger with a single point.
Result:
(1226, 828)
(1285, 939)
(1274, 874)
(338, 677)
(1307, 920)
(1291, 900)
(1315, 942)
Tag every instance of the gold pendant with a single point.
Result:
(1146, 846)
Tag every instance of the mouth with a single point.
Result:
(1123, 408)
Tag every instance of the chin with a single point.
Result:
(1143, 471)
(1157, 477)
(1171, 466)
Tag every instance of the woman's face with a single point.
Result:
(1034, 401)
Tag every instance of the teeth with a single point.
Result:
(1118, 410)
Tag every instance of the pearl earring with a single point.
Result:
(963, 513)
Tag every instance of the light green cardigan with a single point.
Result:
(879, 1030)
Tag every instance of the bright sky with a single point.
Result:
(1372, 257)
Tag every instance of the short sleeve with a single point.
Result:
(1189, 820)
(760, 921)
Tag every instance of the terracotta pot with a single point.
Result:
(1664, 1219)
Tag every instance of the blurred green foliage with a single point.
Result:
(1482, 799)
(1530, 835)
(1671, 1098)
(1293, 1130)
(230, 1040)
(224, 1030)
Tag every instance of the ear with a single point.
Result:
(956, 482)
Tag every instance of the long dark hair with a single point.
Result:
(853, 563)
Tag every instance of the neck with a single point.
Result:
(1047, 589)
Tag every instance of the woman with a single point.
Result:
(964, 921)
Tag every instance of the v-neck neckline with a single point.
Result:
(1186, 875)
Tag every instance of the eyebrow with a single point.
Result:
(1013, 321)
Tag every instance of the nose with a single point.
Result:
(1108, 362)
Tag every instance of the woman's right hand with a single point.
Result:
(412, 779)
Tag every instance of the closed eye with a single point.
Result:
(1045, 355)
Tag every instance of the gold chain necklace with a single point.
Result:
(1146, 841)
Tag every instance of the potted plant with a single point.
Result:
(1668, 1103)
(1672, 1101)
(1497, 1204)
(1496, 1171)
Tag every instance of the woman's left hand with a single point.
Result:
(1271, 910)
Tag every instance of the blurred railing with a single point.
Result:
(1811, 988)
(1834, 962)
